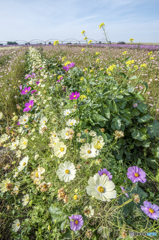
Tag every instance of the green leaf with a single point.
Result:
(107, 112)
(98, 117)
(116, 123)
(155, 151)
(142, 107)
(57, 214)
(133, 77)
(135, 112)
(146, 87)
(151, 163)
(145, 118)
(140, 97)
(137, 134)
(153, 128)
(126, 118)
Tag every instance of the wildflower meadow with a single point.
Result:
(79, 137)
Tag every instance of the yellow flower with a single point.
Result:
(56, 42)
(66, 63)
(135, 66)
(131, 40)
(102, 24)
(91, 70)
(151, 58)
(59, 77)
(97, 60)
(85, 69)
(75, 197)
(88, 90)
(82, 96)
(82, 78)
(101, 69)
(83, 49)
(83, 32)
(143, 65)
(85, 38)
(97, 53)
(76, 190)
(124, 53)
(149, 53)
(63, 58)
(15, 118)
(89, 41)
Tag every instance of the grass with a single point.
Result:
(35, 220)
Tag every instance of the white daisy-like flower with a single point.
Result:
(36, 156)
(67, 112)
(4, 137)
(88, 151)
(23, 143)
(16, 174)
(101, 188)
(64, 133)
(71, 122)
(73, 110)
(43, 121)
(66, 171)
(14, 145)
(16, 225)
(53, 142)
(4, 184)
(78, 139)
(25, 200)
(16, 187)
(92, 133)
(53, 135)
(23, 163)
(24, 119)
(18, 153)
(60, 149)
(98, 142)
(42, 128)
(49, 98)
(88, 211)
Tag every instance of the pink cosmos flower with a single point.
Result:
(123, 190)
(28, 105)
(151, 210)
(74, 95)
(135, 105)
(67, 67)
(77, 222)
(33, 91)
(25, 91)
(136, 174)
(20, 87)
(105, 172)
(37, 82)
(60, 79)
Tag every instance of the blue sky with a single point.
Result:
(59, 19)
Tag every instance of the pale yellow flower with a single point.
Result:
(102, 24)
(89, 41)
(56, 42)
(83, 32)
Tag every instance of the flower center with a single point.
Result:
(54, 135)
(36, 175)
(61, 149)
(17, 224)
(26, 91)
(71, 123)
(67, 112)
(76, 222)
(67, 171)
(151, 210)
(24, 120)
(24, 164)
(89, 151)
(104, 174)
(98, 141)
(67, 134)
(30, 106)
(24, 143)
(45, 186)
(136, 174)
(54, 143)
(27, 199)
(100, 189)
(74, 96)
(87, 211)
(15, 144)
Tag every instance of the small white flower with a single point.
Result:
(20, 130)
(88, 151)
(24, 119)
(36, 156)
(92, 133)
(64, 133)
(53, 142)
(16, 187)
(4, 137)
(71, 122)
(18, 153)
(1, 115)
(60, 149)
(88, 211)
(66, 171)
(67, 112)
(25, 200)
(16, 225)
(23, 143)
(14, 145)
(15, 174)
(23, 163)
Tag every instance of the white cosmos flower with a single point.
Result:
(23, 143)
(59, 149)
(98, 142)
(88, 151)
(43, 121)
(42, 128)
(92, 133)
(67, 112)
(20, 130)
(101, 188)
(66, 171)
(15, 174)
(23, 163)
(25, 200)
(71, 122)
(14, 145)
(53, 142)
(24, 119)
(18, 153)
(88, 211)
(4, 137)
(64, 133)
(16, 225)
(36, 156)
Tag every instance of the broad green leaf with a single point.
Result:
(142, 107)
(145, 118)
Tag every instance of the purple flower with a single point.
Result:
(37, 82)
(74, 95)
(18, 123)
(41, 68)
(27, 76)
(60, 79)
(28, 106)
(20, 87)
(66, 68)
(123, 190)
(105, 172)
(151, 210)
(136, 174)
(25, 91)
(135, 105)
(33, 91)
(77, 222)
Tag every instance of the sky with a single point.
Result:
(66, 19)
